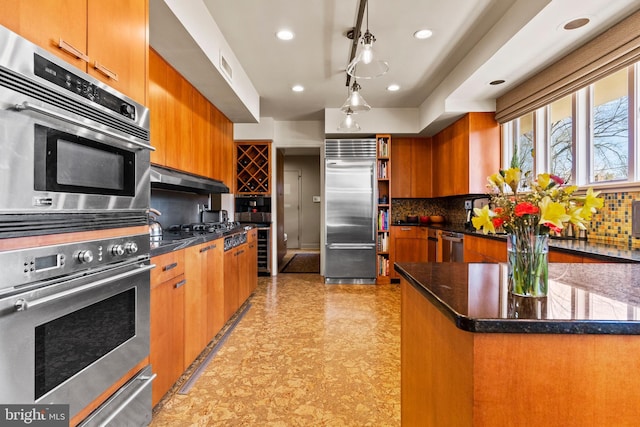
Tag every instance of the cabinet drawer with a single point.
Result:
(168, 266)
(409, 231)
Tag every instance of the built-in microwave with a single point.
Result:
(75, 152)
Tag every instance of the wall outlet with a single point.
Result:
(316, 199)
(468, 204)
(635, 219)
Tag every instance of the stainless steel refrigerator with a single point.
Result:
(350, 212)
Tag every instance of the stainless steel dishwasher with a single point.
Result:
(452, 246)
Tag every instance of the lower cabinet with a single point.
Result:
(408, 244)
(484, 249)
(194, 292)
(167, 322)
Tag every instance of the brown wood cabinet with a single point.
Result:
(464, 154)
(188, 132)
(408, 244)
(412, 174)
(108, 40)
(231, 281)
(484, 249)
(167, 322)
(195, 301)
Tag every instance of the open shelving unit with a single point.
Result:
(383, 175)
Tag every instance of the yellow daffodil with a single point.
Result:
(512, 178)
(497, 181)
(591, 203)
(543, 180)
(570, 189)
(553, 213)
(575, 217)
(482, 220)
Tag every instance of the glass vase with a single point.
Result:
(528, 260)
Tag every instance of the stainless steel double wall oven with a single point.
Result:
(74, 243)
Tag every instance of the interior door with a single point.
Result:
(292, 208)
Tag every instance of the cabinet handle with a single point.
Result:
(180, 284)
(72, 50)
(104, 70)
(405, 228)
(206, 248)
(240, 252)
(170, 266)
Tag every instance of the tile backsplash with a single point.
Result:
(611, 224)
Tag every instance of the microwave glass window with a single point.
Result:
(68, 344)
(89, 167)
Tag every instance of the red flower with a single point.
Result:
(499, 210)
(497, 222)
(553, 227)
(525, 208)
(557, 179)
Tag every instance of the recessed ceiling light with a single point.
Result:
(284, 35)
(496, 82)
(297, 88)
(576, 23)
(423, 34)
(393, 87)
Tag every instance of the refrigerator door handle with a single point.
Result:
(349, 247)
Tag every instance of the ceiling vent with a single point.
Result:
(226, 68)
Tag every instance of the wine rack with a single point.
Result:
(253, 168)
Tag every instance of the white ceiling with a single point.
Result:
(474, 42)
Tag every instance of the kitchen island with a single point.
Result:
(474, 355)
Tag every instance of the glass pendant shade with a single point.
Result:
(348, 124)
(364, 65)
(355, 101)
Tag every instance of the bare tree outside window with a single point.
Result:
(610, 141)
(561, 138)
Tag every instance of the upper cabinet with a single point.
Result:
(189, 133)
(464, 154)
(412, 176)
(106, 39)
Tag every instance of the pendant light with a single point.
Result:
(355, 101)
(365, 65)
(348, 124)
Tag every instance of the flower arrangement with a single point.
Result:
(528, 217)
(548, 206)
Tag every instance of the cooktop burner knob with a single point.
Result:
(85, 256)
(117, 250)
(131, 247)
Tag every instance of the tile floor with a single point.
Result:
(304, 354)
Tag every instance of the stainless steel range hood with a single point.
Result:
(168, 179)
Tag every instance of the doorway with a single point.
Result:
(292, 189)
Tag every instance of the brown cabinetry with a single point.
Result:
(108, 40)
(484, 249)
(188, 132)
(464, 154)
(383, 175)
(408, 244)
(253, 168)
(412, 176)
(167, 321)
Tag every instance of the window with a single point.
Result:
(561, 138)
(585, 138)
(610, 124)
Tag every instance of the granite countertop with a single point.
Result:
(583, 298)
(174, 241)
(606, 252)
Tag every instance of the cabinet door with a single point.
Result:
(201, 136)
(178, 134)
(421, 167)
(118, 45)
(409, 244)
(401, 153)
(47, 22)
(215, 276)
(195, 302)
(222, 147)
(166, 334)
(158, 106)
(230, 283)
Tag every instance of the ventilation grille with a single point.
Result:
(21, 225)
(35, 90)
(339, 148)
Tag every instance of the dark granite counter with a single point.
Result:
(174, 241)
(603, 251)
(583, 298)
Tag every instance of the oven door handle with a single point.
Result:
(28, 106)
(22, 304)
(147, 379)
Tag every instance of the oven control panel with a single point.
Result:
(29, 265)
